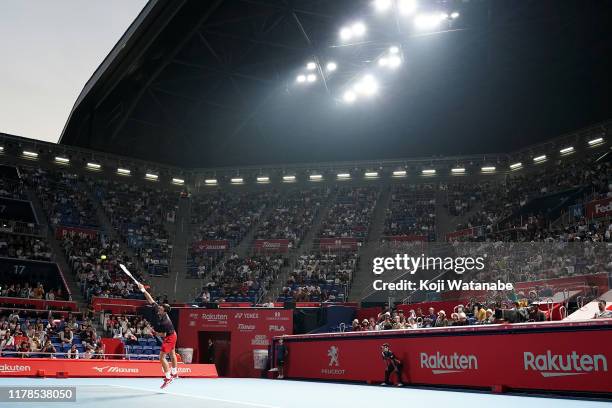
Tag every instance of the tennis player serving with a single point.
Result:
(164, 328)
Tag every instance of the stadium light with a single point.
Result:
(539, 159)
(458, 170)
(567, 150)
(30, 155)
(358, 29)
(331, 66)
(93, 166)
(315, 177)
(311, 66)
(394, 50)
(151, 176)
(289, 179)
(124, 172)
(367, 86)
(1, 149)
(595, 142)
(454, 15)
(311, 78)
(263, 179)
(344, 176)
(349, 97)
(62, 160)
(300, 79)
(355, 30)
(516, 166)
(382, 5)
(407, 7)
(210, 182)
(371, 174)
(178, 181)
(429, 21)
(346, 34)
(428, 172)
(488, 169)
(237, 180)
(399, 173)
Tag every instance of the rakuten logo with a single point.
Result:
(7, 369)
(601, 209)
(447, 364)
(559, 365)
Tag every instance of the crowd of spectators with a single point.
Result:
(63, 197)
(24, 247)
(138, 214)
(242, 279)
(95, 263)
(63, 337)
(222, 216)
(412, 211)
(351, 213)
(500, 201)
(19, 289)
(293, 215)
(320, 277)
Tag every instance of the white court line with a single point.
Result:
(252, 404)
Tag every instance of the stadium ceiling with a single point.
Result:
(213, 83)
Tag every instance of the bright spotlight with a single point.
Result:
(428, 21)
(367, 86)
(358, 29)
(311, 66)
(454, 15)
(383, 62)
(394, 50)
(331, 66)
(349, 97)
(301, 79)
(395, 61)
(382, 5)
(311, 78)
(346, 34)
(407, 7)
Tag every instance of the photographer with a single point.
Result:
(393, 365)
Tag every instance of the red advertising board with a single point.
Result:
(599, 208)
(249, 328)
(552, 357)
(212, 245)
(338, 244)
(468, 232)
(61, 231)
(272, 245)
(47, 367)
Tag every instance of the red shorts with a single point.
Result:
(169, 343)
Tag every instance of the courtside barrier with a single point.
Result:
(552, 356)
(47, 367)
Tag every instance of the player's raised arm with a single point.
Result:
(146, 294)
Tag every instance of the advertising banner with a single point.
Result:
(338, 244)
(599, 208)
(250, 329)
(48, 367)
(212, 245)
(272, 245)
(61, 231)
(576, 360)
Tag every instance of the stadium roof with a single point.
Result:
(212, 83)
